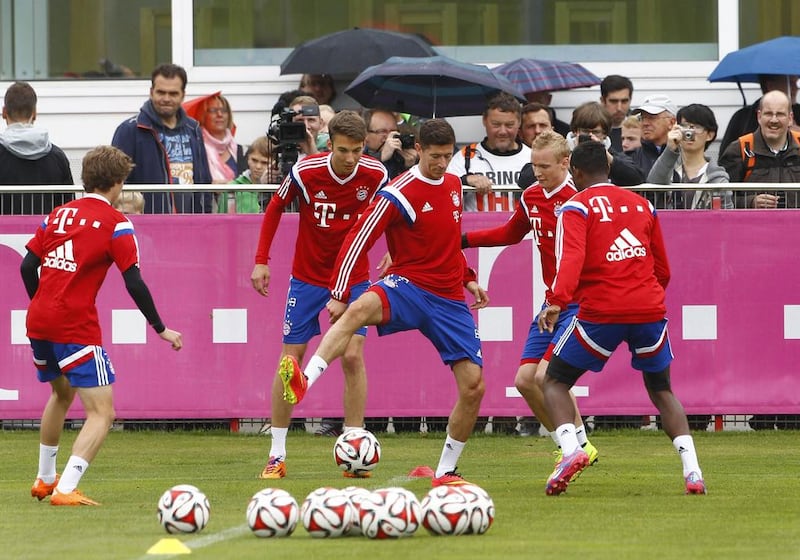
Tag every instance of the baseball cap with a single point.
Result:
(656, 104)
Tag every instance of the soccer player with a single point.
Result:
(536, 213)
(423, 289)
(332, 189)
(611, 260)
(75, 246)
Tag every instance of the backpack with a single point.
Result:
(749, 158)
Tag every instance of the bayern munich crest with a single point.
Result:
(362, 193)
(287, 328)
(455, 197)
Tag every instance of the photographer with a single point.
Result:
(385, 143)
(685, 161)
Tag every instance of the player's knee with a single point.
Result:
(525, 380)
(560, 371)
(352, 361)
(656, 381)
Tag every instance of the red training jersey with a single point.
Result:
(422, 221)
(611, 257)
(329, 205)
(77, 243)
(536, 212)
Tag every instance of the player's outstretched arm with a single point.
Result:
(260, 279)
(173, 337)
(480, 295)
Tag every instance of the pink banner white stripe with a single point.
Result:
(733, 306)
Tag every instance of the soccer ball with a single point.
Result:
(480, 508)
(444, 511)
(356, 495)
(327, 512)
(183, 509)
(390, 513)
(357, 451)
(272, 512)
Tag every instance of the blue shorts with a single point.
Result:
(589, 345)
(304, 303)
(447, 323)
(538, 344)
(83, 365)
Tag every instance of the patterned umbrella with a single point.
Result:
(435, 86)
(531, 75)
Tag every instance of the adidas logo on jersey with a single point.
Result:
(427, 207)
(321, 195)
(61, 258)
(625, 246)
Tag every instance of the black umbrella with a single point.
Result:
(435, 86)
(351, 51)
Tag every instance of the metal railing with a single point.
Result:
(41, 199)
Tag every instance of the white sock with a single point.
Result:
(346, 429)
(47, 463)
(314, 369)
(71, 477)
(278, 446)
(685, 447)
(554, 436)
(580, 433)
(567, 438)
(450, 453)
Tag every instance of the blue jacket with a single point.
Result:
(139, 138)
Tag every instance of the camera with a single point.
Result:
(688, 133)
(406, 141)
(288, 135)
(584, 138)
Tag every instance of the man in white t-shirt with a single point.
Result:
(494, 162)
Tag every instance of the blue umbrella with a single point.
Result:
(779, 56)
(531, 75)
(434, 86)
(776, 56)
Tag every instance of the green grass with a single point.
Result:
(630, 505)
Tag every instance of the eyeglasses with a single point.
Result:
(217, 111)
(597, 132)
(382, 131)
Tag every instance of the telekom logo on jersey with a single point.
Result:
(601, 205)
(64, 218)
(324, 211)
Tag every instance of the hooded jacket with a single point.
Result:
(27, 157)
(139, 137)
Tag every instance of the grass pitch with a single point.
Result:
(629, 506)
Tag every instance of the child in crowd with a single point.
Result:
(130, 202)
(259, 159)
(631, 133)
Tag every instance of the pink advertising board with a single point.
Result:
(733, 302)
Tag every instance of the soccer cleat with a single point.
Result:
(365, 474)
(275, 468)
(593, 454)
(74, 498)
(42, 489)
(695, 484)
(452, 478)
(295, 383)
(564, 472)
